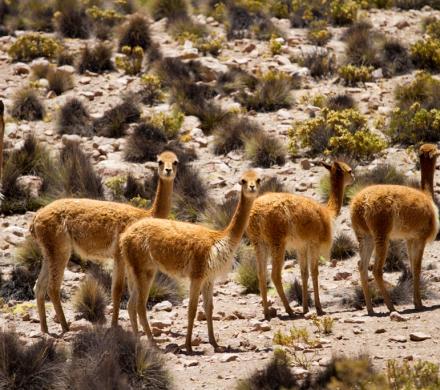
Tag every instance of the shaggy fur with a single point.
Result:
(381, 213)
(2, 136)
(183, 250)
(91, 229)
(285, 221)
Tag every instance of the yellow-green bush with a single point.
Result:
(33, 45)
(151, 89)
(131, 62)
(343, 12)
(422, 375)
(426, 54)
(351, 74)
(318, 33)
(415, 124)
(432, 28)
(336, 133)
(211, 44)
(107, 16)
(275, 46)
(170, 124)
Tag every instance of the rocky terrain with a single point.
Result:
(239, 322)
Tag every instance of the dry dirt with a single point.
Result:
(239, 320)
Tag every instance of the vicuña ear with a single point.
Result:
(325, 165)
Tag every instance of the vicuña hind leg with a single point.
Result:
(304, 267)
(40, 291)
(313, 255)
(207, 292)
(145, 280)
(57, 260)
(365, 249)
(194, 292)
(415, 252)
(278, 253)
(118, 280)
(132, 301)
(261, 255)
(381, 248)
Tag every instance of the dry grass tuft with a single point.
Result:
(97, 59)
(26, 105)
(90, 301)
(73, 118)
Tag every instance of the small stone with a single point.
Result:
(80, 325)
(191, 363)
(354, 321)
(163, 306)
(342, 276)
(161, 324)
(249, 48)
(398, 338)
(172, 348)
(377, 74)
(226, 358)
(262, 326)
(305, 164)
(21, 68)
(380, 330)
(201, 316)
(395, 316)
(419, 336)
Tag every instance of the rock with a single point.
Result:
(402, 24)
(380, 330)
(172, 348)
(227, 357)
(395, 316)
(191, 363)
(249, 48)
(419, 336)
(70, 138)
(398, 338)
(300, 372)
(342, 276)
(354, 321)
(261, 326)
(85, 80)
(305, 164)
(377, 74)
(163, 306)
(67, 68)
(282, 60)
(201, 316)
(211, 68)
(30, 185)
(21, 68)
(80, 325)
(161, 324)
(14, 235)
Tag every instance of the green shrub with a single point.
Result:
(432, 28)
(185, 29)
(425, 54)
(104, 20)
(351, 74)
(424, 89)
(151, 89)
(131, 62)
(343, 12)
(275, 45)
(27, 105)
(421, 375)
(271, 92)
(247, 275)
(318, 33)
(169, 124)
(212, 44)
(33, 45)
(335, 133)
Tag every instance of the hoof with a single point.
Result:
(320, 312)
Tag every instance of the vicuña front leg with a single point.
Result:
(314, 261)
(194, 292)
(207, 292)
(277, 267)
(118, 280)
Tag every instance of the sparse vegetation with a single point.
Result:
(324, 324)
(247, 275)
(33, 45)
(131, 61)
(72, 20)
(318, 33)
(135, 33)
(343, 247)
(425, 54)
(337, 133)
(144, 143)
(265, 150)
(322, 63)
(169, 124)
(165, 288)
(90, 301)
(294, 293)
(151, 92)
(96, 59)
(27, 105)
(59, 81)
(73, 118)
(352, 75)
(340, 102)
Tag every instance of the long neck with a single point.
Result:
(2, 135)
(336, 198)
(427, 166)
(239, 221)
(162, 202)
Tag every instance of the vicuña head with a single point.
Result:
(281, 221)
(91, 229)
(381, 213)
(184, 250)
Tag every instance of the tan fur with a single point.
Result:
(183, 250)
(90, 228)
(2, 136)
(281, 221)
(383, 212)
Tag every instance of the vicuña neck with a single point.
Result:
(427, 167)
(239, 221)
(336, 198)
(162, 202)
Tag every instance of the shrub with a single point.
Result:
(343, 12)
(272, 92)
(59, 81)
(104, 20)
(27, 105)
(235, 79)
(114, 121)
(19, 286)
(275, 375)
(218, 216)
(343, 247)
(320, 62)
(395, 58)
(414, 125)
(247, 274)
(265, 150)
(72, 20)
(171, 9)
(432, 27)
(275, 45)
(351, 74)
(182, 75)
(30, 159)
(135, 32)
(35, 366)
(273, 184)
(294, 293)
(73, 118)
(362, 45)
(212, 44)
(425, 54)
(151, 92)
(185, 29)
(144, 143)
(318, 33)
(65, 58)
(169, 124)
(90, 301)
(97, 59)
(80, 179)
(40, 69)
(165, 288)
(230, 134)
(33, 45)
(421, 375)
(340, 102)
(125, 362)
(337, 132)
(397, 257)
(131, 62)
